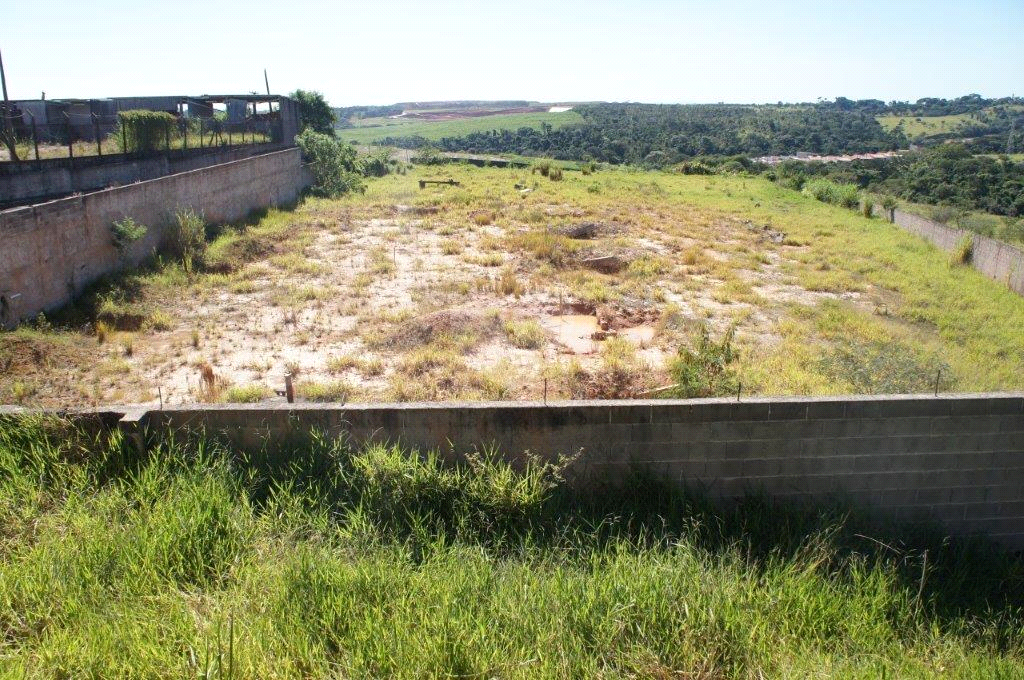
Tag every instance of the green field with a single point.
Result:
(925, 126)
(917, 126)
(369, 130)
(320, 561)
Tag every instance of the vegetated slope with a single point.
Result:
(664, 134)
(316, 560)
(944, 175)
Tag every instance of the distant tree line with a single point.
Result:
(658, 135)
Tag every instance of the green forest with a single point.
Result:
(946, 175)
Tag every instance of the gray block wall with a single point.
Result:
(51, 178)
(954, 460)
(51, 251)
(997, 260)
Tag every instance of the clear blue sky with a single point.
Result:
(640, 50)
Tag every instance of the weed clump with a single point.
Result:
(963, 252)
(186, 239)
(526, 334)
(845, 195)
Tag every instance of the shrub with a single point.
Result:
(125, 232)
(428, 155)
(555, 174)
(378, 164)
(141, 131)
(868, 208)
(332, 162)
(544, 167)
(705, 370)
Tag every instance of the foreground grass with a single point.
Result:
(318, 560)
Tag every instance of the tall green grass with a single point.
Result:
(314, 559)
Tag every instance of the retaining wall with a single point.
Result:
(954, 460)
(995, 259)
(50, 178)
(51, 251)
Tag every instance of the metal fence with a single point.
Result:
(71, 135)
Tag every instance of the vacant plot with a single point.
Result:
(514, 286)
(369, 130)
(317, 561)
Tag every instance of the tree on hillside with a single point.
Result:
(314, 112)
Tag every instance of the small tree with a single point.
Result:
(314, 112)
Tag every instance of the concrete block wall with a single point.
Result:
(51, 251)
(50, 178)
(954, 460)
(997, 260)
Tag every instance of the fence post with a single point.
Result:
(124, 137)
(167, 135)
(96, 133)
(200, 133)
(35, 137)
(71, 150)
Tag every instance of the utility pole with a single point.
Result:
(8, 129)
(3, 78)
(266, 82)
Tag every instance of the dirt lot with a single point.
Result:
(510, 286)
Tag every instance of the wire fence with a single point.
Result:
(25, 136)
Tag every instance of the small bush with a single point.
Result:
(428, 155)
(378, 164)
(544, 167)
(555, 174)
(963, 253)
(482, 219)
(332, 162)
(125, 232)
(706, 369)
(868, 208)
